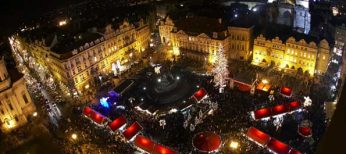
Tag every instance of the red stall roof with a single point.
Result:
(88, 111)
(117, 123)
(242, 86)
(144, 143)
(159, 149)
(294, 105)
(131, 131)
(262, 113)
(286, 91)
(278, 146)
(207, 141)
(279, 109)
(199, 95)
(97, 117)
(258, 136)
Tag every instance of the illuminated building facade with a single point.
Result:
(292, 55)
(112, 50)
(199, 38)
(15, 102)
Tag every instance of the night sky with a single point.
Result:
(14, 12)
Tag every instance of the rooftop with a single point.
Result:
(198, 25)
(284, 32)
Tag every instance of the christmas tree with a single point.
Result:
(220, 70)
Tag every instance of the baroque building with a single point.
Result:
(16, 105)
(90, 54)
(199, 38)
(292, 55)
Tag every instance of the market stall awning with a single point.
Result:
(144, 143)
(294, 105)
(200, 94)
(279, 109)
(159, 149)
(278, 146)
(286, 91)
(117, 123)
(262, 113)
(88, 111)
(98, 118)
(263, 87)
(257, 136)
(207, 141)
(131, 131)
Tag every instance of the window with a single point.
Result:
(10, 105)
(16, 119)
(2, 111)
(25, 99)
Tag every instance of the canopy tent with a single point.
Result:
(286, 91)
(257, 136)
(279, 109)
(276, 110)
(278, 146)
(200, 94)
(294, 105)
(131, 131)
(159, 149)
(207, 141)
(117, 123)
(262, 113)
(270, 143)
(88, 111)
(144, 143)
(97, 117)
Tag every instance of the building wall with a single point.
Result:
(97, 57)
(302, 19)
(236, 42)
(291, 55)
(15, 103)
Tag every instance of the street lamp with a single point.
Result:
(74, 136)
(265, 81)
(234, 145)
(34, 114)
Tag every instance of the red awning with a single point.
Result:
(207, 141)
(279, 109)
(131, 131)
(199, 95)
(262, 113)
(88, 111)
(97, 117)
(242, 86)
(286, 91)
(258, 136)
(278, 146)
(294, 105)
(159, 149)
(117, 123)
(144, 143)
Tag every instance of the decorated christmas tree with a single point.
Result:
(220, 70)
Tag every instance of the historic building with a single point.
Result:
(16, 105)
(76, 62)
(199, 38)
(294, 55)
